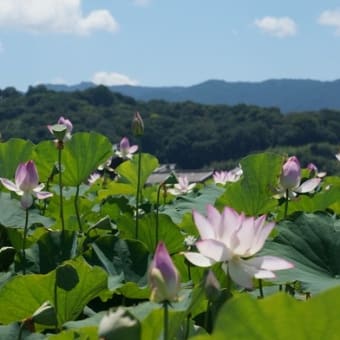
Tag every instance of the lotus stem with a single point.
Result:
(138, 190)
(261, 289)
(61, 203)
(166, 320)
(76, 207)
(286, 204)
(24, 242)
(157, 214)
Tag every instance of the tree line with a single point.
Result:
(189, 134)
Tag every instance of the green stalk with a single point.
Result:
(261, 289)
(189, 269)
(24, 242)
(61, 203)
(138, 190)
(166, 320)
(157, 214)
(228, 281)
(286, 204)
(20, 330)
(76, 207)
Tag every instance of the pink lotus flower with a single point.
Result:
(290, 179)
(182, 187)
(126, 150)
(26, 184)
(223, 177)
(62, 130)
(163, 276)
(234, 239)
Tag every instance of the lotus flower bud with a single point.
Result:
(120, 324)
(163, 276)
(291, 173)
(137, 125)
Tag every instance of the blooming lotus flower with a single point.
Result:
(182, 187)
(26, 184)
(234, 239)
(337, 156)
(290, 179)
(62, 130)
(224, 177)
(163, 276)
(126, 150)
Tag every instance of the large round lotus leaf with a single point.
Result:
(312, 243)
(278, 317)
(82, 155)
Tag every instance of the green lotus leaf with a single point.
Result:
(82, 155)
(21, 296)
(13, 152)
(312, 243)
(253, 194)
(278, 317)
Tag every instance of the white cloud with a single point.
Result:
(112, 78)
(277, 26)
(61, 16)
(331, 18)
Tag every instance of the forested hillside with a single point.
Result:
(189, 134)
(290, 95)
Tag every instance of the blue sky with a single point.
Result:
(167, 42)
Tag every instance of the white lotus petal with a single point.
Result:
(43, 195)
(133, 148)
(214, 249)
(308, 186)
(204, 227)
(215, 219)
(246, 236)
(260, 238)
(9, 184)
(270, 263)
(231, 222)
(240, 273)
(264, 274)
(39, 187)
(198, 259)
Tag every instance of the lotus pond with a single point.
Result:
(89, 249)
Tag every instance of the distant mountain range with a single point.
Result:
(290, 95)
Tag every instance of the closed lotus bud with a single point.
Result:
(163, 276)
(291, 173)
(137, 125)
(45, 315)
(120, 324)
(212, 287)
